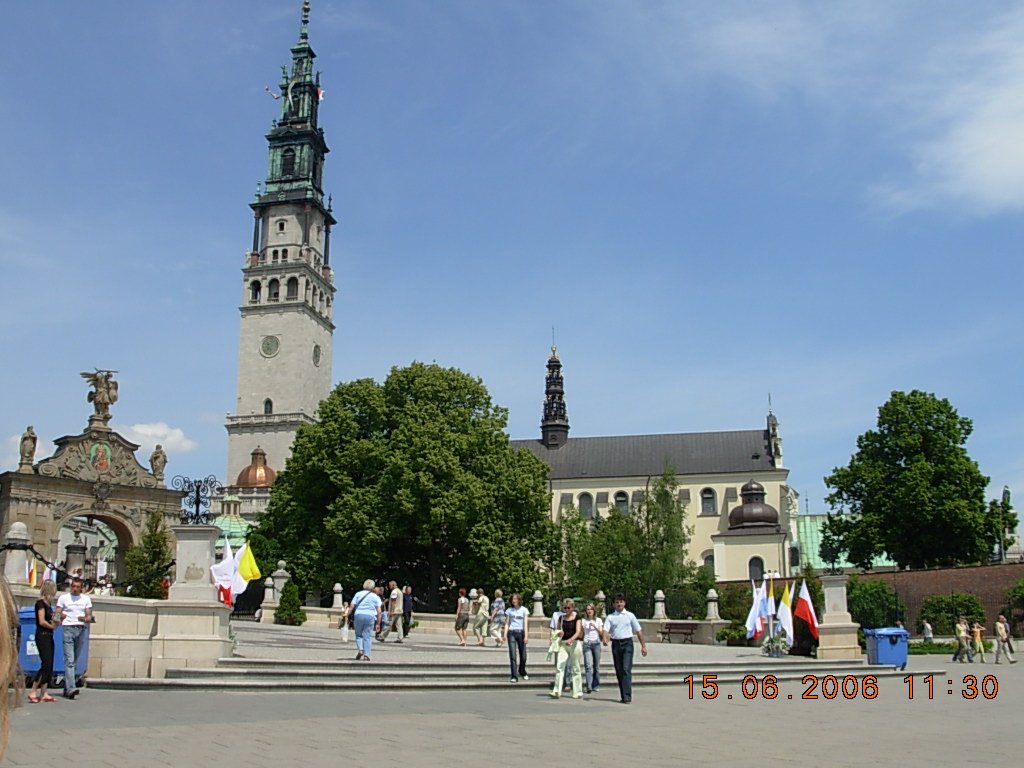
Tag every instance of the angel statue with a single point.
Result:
(104, 393)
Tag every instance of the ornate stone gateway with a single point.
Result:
(93, 475)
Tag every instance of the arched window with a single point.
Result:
(586, 502)
(709, 563)
(263, 257)
(284, 254)
(288, 162)
(292, 291)
(268, 407)
(280, 225)
(314, 299)
(273, 258)
(254, 292)
(622, 502)
(708, 506)
(755, 568)
(273, 290)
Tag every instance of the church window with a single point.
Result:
(273, 290)
(284, 254)
(314, 299)
(709, 563)
(254, 292)
(293, 288)
(268, 407)
(708, 505)
(288, 162)
(586, 502)
(274, 257)
(622, 502)
(263, 257)
(280, 225)
(755, 568)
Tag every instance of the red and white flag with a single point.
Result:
(275, 96)
(224, 573)
(319, 94)
(805, 610)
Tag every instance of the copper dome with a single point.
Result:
(753, 511)
(257, 474)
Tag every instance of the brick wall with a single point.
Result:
(989, 582)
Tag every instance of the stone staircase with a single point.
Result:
(254, 674)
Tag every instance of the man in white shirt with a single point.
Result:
(395, 609)
(621, 625)
(76, 612)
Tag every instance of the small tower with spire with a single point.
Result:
(554, 427)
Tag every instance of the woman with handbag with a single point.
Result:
(570, 651)
(365, 610)
(46, 622)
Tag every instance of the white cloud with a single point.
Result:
(147, 436)
(10, 453)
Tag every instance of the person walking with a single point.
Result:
(396, 607)
(593, 636)
(76, 610)
(979, 643)
(1003, 640)
(517, 635)
(365, 609)
(482, 617)
(570, 651)
(407, 603)
(963, 647)
(621, 625)
(461, 616)
(497, 617)
(927, 635)
(46, 622)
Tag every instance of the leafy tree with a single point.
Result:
(289, 610)
(942, 611)
(873, 603)
(143, 563)
(413, 479)
(911, 491)
(1002, 520)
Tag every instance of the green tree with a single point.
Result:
(942, 611)
(1002, 521)
(289, 610)
(912, 491)
(144, 562)
(873, 603)
(412, 479)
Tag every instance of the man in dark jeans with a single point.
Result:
(621, 625)
(407, 600)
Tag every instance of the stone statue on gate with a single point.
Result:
(103, 395)
(157, 462)
(27, 450)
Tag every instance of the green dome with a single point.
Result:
(234, 527)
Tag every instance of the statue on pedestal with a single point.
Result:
(27, 450)
(157, 462)
(103, 395)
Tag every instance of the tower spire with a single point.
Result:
(554, 427)
(304, 29)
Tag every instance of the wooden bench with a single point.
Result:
(684, 628)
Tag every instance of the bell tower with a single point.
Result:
(285, 343)
(554, 426)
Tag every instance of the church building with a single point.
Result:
(734, 484)
(285, 343)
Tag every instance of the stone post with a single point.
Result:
(600, 604)
(712, 606)
(74, 557)
(16, 562)
(659, 606)
(280, 577)
(269, 596)
(338, 603)
(196, 552)
(837, 633)
(538, 605)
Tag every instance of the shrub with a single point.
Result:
(143, 562)
(734, 601)
(941, 611)
(289, 610)
(734, 634)
(873, 603)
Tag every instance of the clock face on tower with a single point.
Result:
(316, 354)
(270, 346)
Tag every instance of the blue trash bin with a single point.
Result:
(28, 654)
(888, 646)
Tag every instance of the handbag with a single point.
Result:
(348, 620)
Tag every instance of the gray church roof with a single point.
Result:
(695, 453)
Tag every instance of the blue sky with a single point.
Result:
(709, 202)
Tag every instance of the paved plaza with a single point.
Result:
(522, 726)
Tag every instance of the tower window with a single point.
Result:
(268, 407)
(622, 502)
(292, 291)
(273, 290)
(586, 502)
(254, 292)
(708, 506)
(274, 257)
(284, 254)
(314, 300)
(263, 257)
(288, 162)
(755, 568)
(280, 225)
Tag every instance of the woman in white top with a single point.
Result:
(593, 636)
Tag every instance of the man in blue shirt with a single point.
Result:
(621, 625)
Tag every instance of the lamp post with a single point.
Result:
(196, 495)
(773, 617)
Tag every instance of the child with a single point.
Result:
(979, 645)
